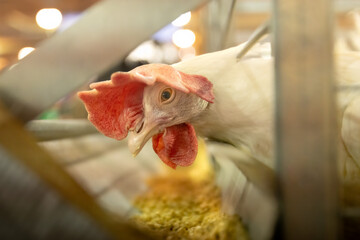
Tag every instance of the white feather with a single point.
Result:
(242, 115)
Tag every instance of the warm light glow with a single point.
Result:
(183, 38)
(182, 20)
(24, 52)
(3, 62)
(186, 53)
(49, 18)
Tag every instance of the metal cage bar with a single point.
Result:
(305, 119)
(111, 29)
(60, 65)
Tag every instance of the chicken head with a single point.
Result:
(151, 101)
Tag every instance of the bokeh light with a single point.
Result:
(182, 20)
(183, 38)
(24, 52)
(49, 18)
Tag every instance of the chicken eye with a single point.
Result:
(167, 95)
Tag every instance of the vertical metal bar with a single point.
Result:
(305, 118)
(220, 14)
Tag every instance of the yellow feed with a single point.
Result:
(183, 205)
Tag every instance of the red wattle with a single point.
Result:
(177, 146)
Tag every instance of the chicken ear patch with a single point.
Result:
(115, 106)
(177, 146)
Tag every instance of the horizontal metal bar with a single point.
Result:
(45, 130)
(20, 153)
(79, 149)
(92, 157)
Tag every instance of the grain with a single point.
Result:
(180, 207)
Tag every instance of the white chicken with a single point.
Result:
(156, 97)
(217, 97)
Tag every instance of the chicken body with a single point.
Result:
(227, 100)
(241, 114)
(222, 98)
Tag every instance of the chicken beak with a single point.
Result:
(137, 139)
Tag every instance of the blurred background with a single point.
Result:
(90, 161)
(25, 23)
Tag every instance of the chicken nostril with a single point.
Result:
(140, 128)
